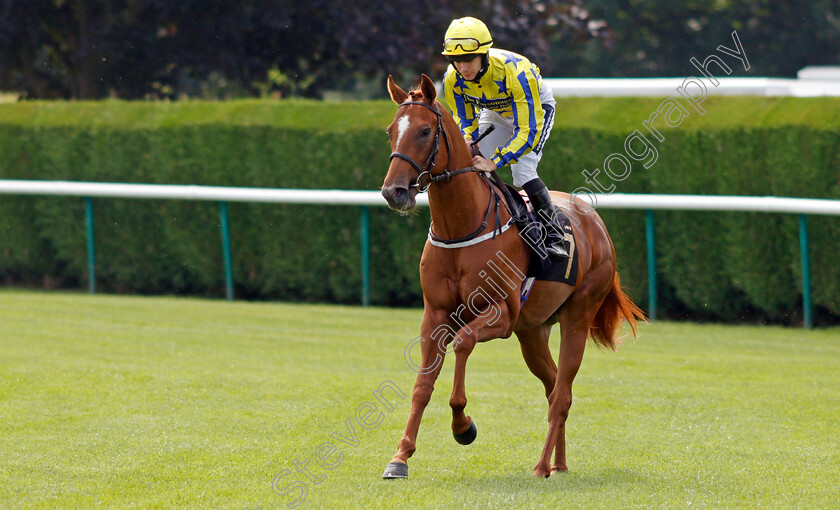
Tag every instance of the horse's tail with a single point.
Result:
(616, 306)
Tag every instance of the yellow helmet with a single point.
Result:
(466, 36)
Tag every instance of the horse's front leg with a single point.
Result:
(494, 322)
(427, 373)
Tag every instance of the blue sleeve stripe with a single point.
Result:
(532, 123)
(548, 121)
(532, 116)
(507, 157)
(460, 105)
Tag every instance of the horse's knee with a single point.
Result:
(464, 344)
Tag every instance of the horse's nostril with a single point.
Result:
(397, 197)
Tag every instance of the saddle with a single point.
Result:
(530, 229)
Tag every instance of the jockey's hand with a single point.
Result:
(483, 164)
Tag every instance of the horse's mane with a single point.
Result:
(416, 94)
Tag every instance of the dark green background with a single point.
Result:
(712, 265)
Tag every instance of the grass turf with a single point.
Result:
(163, 402)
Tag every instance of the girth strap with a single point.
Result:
(473, 237)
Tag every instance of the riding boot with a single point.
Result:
(555, 244)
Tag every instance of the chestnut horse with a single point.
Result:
(458, 199)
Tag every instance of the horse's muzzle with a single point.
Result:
(399, 198)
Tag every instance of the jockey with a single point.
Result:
(487, 86)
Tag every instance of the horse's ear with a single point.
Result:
(397, 94)
(428, 88)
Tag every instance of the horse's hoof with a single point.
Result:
(395, 470)
(541, 471)
(467, 436)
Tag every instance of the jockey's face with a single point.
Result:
(469, 68)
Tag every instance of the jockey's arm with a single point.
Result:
(524, 88)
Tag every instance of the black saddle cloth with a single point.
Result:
(530, 229)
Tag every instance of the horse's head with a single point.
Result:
(415, 139)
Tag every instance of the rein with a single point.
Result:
(426, 169)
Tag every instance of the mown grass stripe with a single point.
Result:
(162, 402)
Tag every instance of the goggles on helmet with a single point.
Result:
(467, 44)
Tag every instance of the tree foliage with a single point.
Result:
(137, 48)
(658, 37)
(218, 48)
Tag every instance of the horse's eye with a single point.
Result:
(427, 131)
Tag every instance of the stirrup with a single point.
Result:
(557, 252)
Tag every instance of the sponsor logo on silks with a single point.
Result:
(493, 104)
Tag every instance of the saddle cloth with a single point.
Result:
(541, 268)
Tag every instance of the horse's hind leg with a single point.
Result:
(574, 330)
(572, 344)
(535, 352)
(576, 316)
(537, 355)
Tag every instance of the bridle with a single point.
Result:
(426, 167)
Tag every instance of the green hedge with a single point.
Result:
(722, 266)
